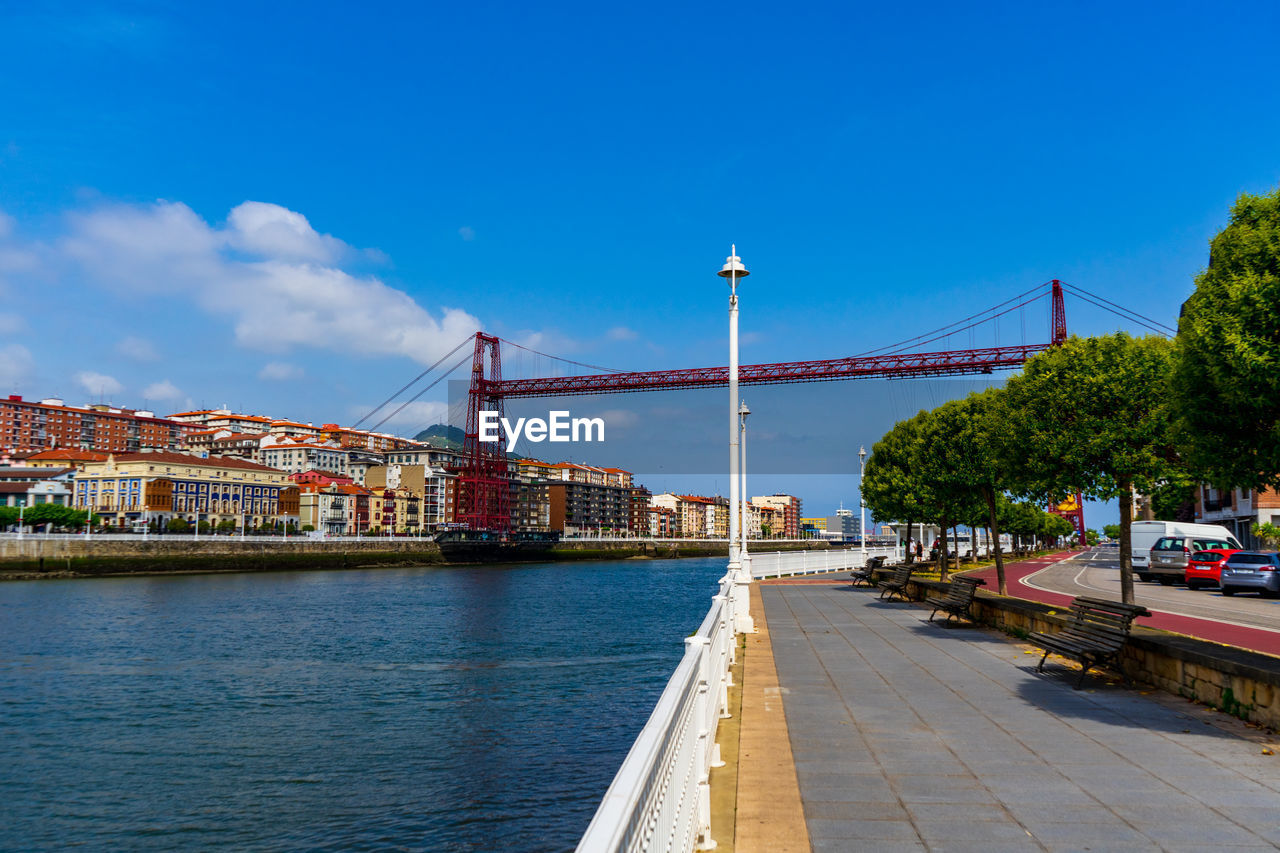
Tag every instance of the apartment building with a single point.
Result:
(429, 486)
(27, 425)
(787, 525)
(1238, 510)
(134, 489)
(580, 508)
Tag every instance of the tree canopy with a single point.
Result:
(1228, 348)
(1093, 416)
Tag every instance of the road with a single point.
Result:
(1246, 621)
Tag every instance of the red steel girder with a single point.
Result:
(908, 365)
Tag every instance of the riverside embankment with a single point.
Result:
(35, 557)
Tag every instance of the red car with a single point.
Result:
(1204, 568)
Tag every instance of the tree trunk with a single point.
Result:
(911, 556)
(942, 550)
(994, 528)
(1126, 542)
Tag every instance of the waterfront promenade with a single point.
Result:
(908, 735)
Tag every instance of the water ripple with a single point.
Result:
(407, 709)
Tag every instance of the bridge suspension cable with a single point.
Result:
(410, 383)
(959, 325)
(465, 358)
(1120, 311)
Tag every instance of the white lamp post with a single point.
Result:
(743, 411)
(733, 270)
(862, 501)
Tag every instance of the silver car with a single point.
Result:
(1170, 555)
(1252, 571)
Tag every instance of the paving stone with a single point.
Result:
(862, 830)
(910, 736)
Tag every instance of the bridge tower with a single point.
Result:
(483, 488)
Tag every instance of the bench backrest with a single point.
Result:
(902, 574)
(1106, 623)
(962, 589)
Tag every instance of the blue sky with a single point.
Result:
(293, 208)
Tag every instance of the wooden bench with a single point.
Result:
(864, 575)
(1096, 633)
(958, 598)
(896, 583)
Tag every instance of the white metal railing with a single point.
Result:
(660, 799)
(778, 564)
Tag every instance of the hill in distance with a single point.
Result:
(442, 435)
(449, 437)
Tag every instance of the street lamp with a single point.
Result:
(733, 270)
(862, 501)
(743, 411)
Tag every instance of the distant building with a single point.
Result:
(428, 487)
(1238, 510)
(132, 489)
(581, 508)
(31, 486)
(316, 477)
(788, 507)
(50, 423)
(844, 526)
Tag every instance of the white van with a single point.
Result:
(1143, 534)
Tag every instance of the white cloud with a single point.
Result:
(467, 233)
(10, 324)
(137, 349)
(163, 390)
(290, 296)
(622, 333)
(16, 365)
(98, 384)
(280, 371)
(272, 231)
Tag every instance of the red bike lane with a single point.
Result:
(1255, 639)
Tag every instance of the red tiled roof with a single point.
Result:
(83, 455)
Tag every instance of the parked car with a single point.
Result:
(1144, 534)
(1171, 554)
(1205, 567)
(1252, 571)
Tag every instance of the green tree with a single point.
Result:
(177, 525)
(1093, 415)
(1267, 533)
(1091, 536)
(965, 441)
(227, 525)
(1111, 531)
(1228, 346)
(891, 484)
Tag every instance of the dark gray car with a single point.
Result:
(1252, 571)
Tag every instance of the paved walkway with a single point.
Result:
(912, 736)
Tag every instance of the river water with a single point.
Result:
(434, 709)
